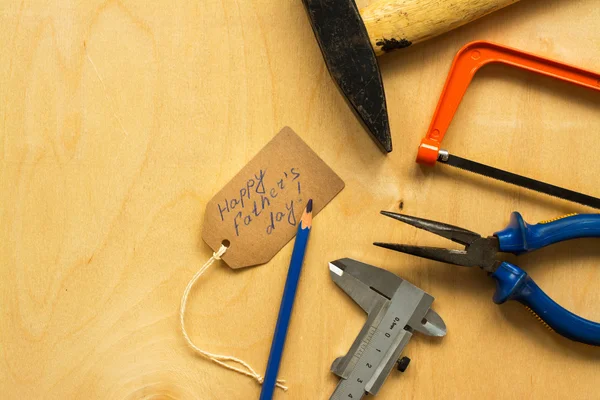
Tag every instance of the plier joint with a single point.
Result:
(512, 283)
(479, 251)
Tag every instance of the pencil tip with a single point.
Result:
(309, 206)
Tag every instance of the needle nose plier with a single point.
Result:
(512, 283)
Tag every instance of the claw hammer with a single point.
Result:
(351, 39)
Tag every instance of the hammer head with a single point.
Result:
(351, 61)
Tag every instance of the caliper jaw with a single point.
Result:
(375, 290)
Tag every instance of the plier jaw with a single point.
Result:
(479, 251)
(512, 283)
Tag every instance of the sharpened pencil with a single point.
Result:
(287, 303)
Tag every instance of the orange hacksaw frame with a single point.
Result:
(467, 62)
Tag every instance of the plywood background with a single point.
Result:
(120, 119)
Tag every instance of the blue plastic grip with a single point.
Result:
(512, 283)
(520, 237)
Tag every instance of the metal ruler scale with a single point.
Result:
(382, 345)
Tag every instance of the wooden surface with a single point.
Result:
(417, 20)
(120, 119)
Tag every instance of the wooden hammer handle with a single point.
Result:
(393, 24)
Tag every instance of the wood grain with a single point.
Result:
(400, 23)
(119, 120)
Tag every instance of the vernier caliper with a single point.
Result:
(395, 309)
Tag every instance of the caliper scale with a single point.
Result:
(395, 309)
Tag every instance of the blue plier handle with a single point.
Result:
(512, 283)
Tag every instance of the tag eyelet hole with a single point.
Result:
(226, 243)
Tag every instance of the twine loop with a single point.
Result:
(217, 358)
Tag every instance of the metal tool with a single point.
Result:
(395, 309)
(512, 283)
(470, 59)
(351, 39)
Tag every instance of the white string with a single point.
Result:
(217, 358)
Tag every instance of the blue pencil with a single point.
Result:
(287, 303)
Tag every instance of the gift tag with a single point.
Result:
(258, 211)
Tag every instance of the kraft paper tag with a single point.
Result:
(258, 211)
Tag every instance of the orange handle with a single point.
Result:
(467, 62)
